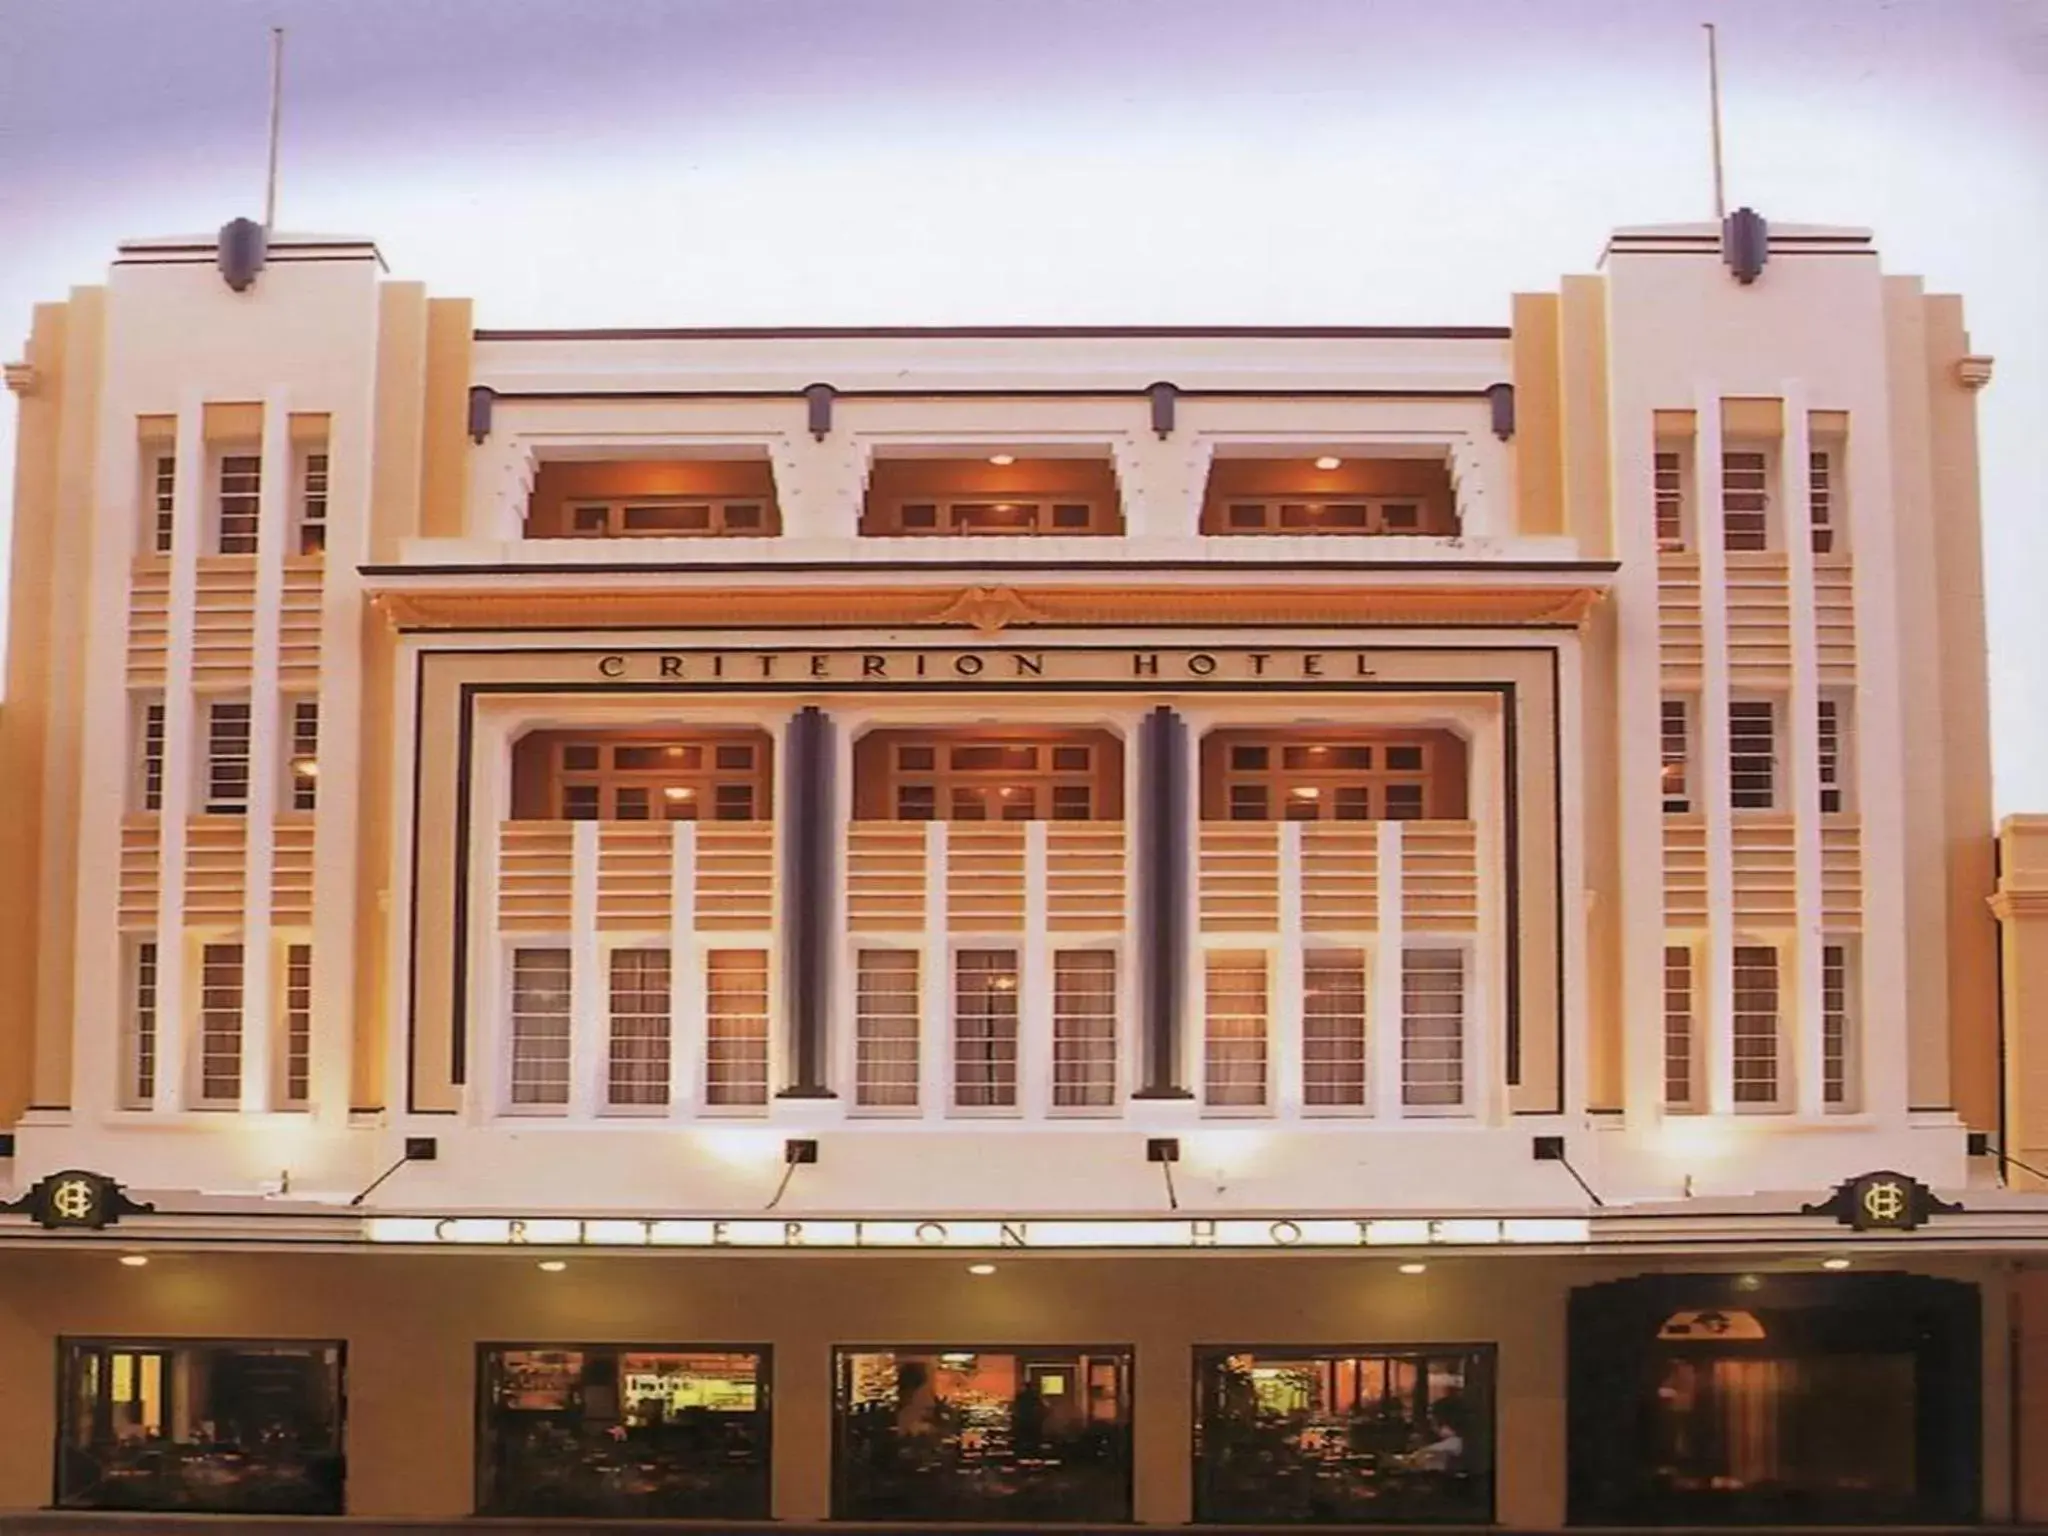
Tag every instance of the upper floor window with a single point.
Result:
(1235, 1045)
(1680, 1036)
(1675, 724)
(1380, 775)
(886, 1033)
(298, 1026)
(736, 1028)
(1329, 494)
(1756, 1029)
(637, 1074)
(1084, 1072)
(1834, 776)
(163, 480)
(1333, 1029)
(1746, 498)
(220, 1023)
(985, 1029)
(1837, 1025)
(540, 1028)
(312, 503)
(654, 499)
(150, 791)
(1433, 1028)
(236, 503)
(139, 1076)
(303, 766)
(1752, 754)
(972, 775)
(227, 757)
(1001, 495)
(636, 776)
(1671, 498)
(1821, 500)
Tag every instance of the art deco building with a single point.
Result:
(760, 923)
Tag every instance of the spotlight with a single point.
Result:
(135, 1260)
(981, 1269)
(1002, 458)
(1835, 1263)
(1414, 1269)
(1329, 461)
(553, 1266)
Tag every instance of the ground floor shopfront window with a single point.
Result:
(207, 1427)
(1344, 1435)
(1796, 1398)
(669, 1431)
(974, 1433)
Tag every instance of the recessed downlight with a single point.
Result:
(135, 1260)
(981, 1269)
(1329, 461)
(1414, 1268)
(1002, 458)
(553, 1266)
(1835, 1263)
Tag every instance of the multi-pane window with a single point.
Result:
(220, 1023)
(1333, 1029)
(683, 780)
(227, 757)
(885, 1071)
(1235, 1009)
(1833, 778)
(1675, 735)
(1378, 780)
(989, 780)
(1679, 1037)
(1836, 1026)
(736, 1027)
(638, 1071)
(1011, 515)
(163, 481)
(540, 1027)
(1756, 1024)
(1745, 499)
(142, 1028)
(1821, 498)
(1083, 1028)
(985, 1028)
(1330, 514)
(298, 1023)
(153, 756)
(313, 504)
(1752, 754)
(693, 517)
(1669, 471)
(304, 765)
(1433, 1028)
(241, 484)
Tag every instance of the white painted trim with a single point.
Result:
(1035, 981)
(1287, 1003)
(686, 1001)
(1384, 1006)
(1802, 776)
(1715, 1011)
(589, 1006)
(260, 1048)
(935, 985)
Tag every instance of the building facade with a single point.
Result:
(1248, 925)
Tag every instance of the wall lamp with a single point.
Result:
(1165, 1151)
(797, 1152)
(418, 1149)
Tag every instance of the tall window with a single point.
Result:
(163, 482)
(985, 1029)
(142, 1028)
(153, 755)
(540, 1027)
(1084, 1028)
(1752, 754)
(1756, 1024)
(1333, 1029)
(1433, 1028)
(1821, 497)
(220, 1024)
(1679, 1051)
(638, 1071)
(736, 1027)
(1833, 774)
(313, 504)
(1235, 1013)
(304, 765)
(241, 484)
(885, 1069)
(1745, 499)
(1677, 746)
(1670, 499)
(1836, 1024)
(298, 1024)
(227, 757)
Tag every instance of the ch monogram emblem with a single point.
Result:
(73, 1199)
(1884, 1202)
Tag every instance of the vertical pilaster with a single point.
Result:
(1035, 981)
(589, 1044)
(266, 755)
(1163, 898)
(181, 752)
(810, 843)
(1286, 1019)
(934, 982)
(1802, 775)
(1384, 1038)
(686, 1003)
(1716, 1007)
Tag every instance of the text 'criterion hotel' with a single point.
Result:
(1243, 925)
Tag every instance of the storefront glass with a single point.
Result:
(1781, 1398)
(1344, 1436)
(970, 1433)
(669, 1431)
(215, 1427)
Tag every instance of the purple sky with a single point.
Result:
(787, 161)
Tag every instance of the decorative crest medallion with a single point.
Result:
(1881, 1202)
(76, 1198)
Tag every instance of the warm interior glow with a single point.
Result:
(1002, 458)
(306, 767)
(1329, 461)
(1414, 1269)
(981, 1269)
(135, 1260)
(1836, 1263)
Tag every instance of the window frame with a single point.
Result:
(312, 491)
(1841, 1042)
(243, 526)
(293, 1060)
(1268, 1100)
(1678, 496)
(1115, 1052)
(1775, 791)
(509, 1101)
(616, 511)
(1466, 1104)
(919, 1043)
(1770, 515)
(1039, 513)
(204, 1032)
(1682, 708)
(1312, 510)
(665, 1037)
(701, 787)
(1780, 1059)
(1692, 1100)
(1325, 944)
(706, 957)
(159, 525)
(959, 947)
(217, 764)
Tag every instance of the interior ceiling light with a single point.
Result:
(1329, 461)
(135, 1260)
(1414, 1269)
(1002, 458)
(553, 1266)
(981, 1269)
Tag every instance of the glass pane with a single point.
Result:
(1248, 803)
(742, 517)
(631, 803)
(916, 802)
(1071, 759)
(734, 754)
(988, 758)
(915, 759)
(673, 518)
(578, 757)
(590, 519)
(1036, 1437)
(1245, 516)
(733, 802)
(1249, 759)
(671, 1432)
(1374, 1434)
(1404, 759)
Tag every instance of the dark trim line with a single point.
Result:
(458, 1008)
(1004, 333)
(1548, 626)
(725, 568)
(986, 394)
(412, 937)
